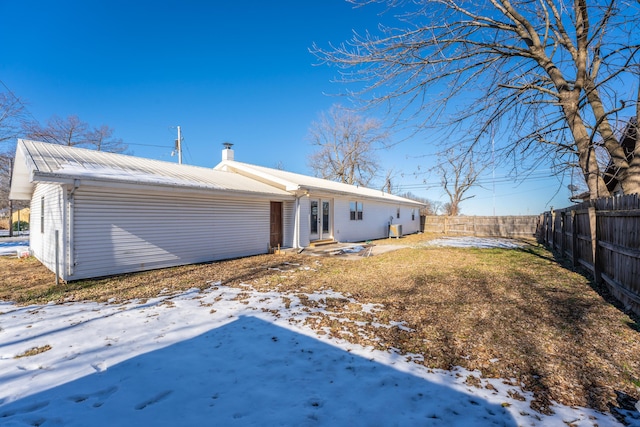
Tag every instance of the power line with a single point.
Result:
(149, 145)
(19, 100)
(535, 177)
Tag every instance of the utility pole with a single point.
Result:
(179, 146)
(10, 201)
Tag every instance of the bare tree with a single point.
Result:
(74, 132)
(390, 186)
(346, 145)
(458, 174)
(5, 176)
(12, 116)
(101, 138)
(558, 75)
(70, 131)
(430, 207)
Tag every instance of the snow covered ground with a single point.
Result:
(229, 356)
(5, 233)
(475, 242)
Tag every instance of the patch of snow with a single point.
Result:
(94, 170)
(353, 249)
(476, 242)
(236, 356)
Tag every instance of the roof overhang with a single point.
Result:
(26, 175)
(249, 172)
(21, 176)
(302, 189)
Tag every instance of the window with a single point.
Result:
(42, 215)
(355, 211)
(413, 214)
(398, 213)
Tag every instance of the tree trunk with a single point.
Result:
(586, 153)
(10, 218)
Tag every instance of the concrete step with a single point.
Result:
(322, 242)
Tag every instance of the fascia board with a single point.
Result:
(106, 183)
(21, 175)
(315, 191)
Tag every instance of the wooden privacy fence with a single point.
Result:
(490, 226)
(602, 235)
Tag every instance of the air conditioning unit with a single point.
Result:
(395, 230)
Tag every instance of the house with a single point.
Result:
(329, 210)
(21, 215)
(628, 143)
(97, 214)
(17, 216)
(610, 174)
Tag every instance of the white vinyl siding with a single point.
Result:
(43, 244)
(375, 221)
(288, 223)
(117, 232)
(305, 211)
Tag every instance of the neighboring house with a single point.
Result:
(96, 214)
(628, 143)
(21, 215)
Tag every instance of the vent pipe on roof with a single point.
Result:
(227, 152)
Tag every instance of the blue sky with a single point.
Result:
(223, 71)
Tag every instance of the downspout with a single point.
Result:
(296, 224)
(69, 224)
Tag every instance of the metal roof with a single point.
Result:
(297, 182)
(40, 161)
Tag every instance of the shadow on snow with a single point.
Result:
(251, 372)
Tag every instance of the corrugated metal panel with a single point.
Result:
(42, 238)
(118, 232)
(52, 161)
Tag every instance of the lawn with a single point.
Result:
(516, 314)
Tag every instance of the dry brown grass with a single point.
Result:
(514, 314)
(33, 351)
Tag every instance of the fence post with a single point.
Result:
(563, 224)
(574, 240)
(553, 229)
(57, 255)
(594, 243)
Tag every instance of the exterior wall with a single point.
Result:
(305, 211)
(288, 224)
(118, 231)
(42, 236)
(376, 217)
